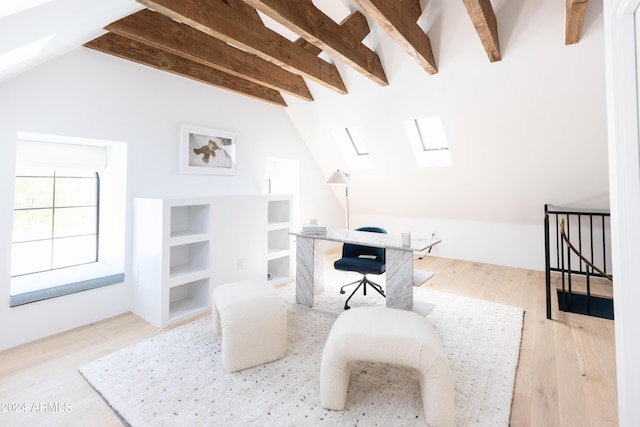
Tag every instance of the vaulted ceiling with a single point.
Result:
(515, 102)
(266, 48)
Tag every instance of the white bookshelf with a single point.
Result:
(171, 259)
(183, 248)
(279, 254)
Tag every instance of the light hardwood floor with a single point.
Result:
(565, 376)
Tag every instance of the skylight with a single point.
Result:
(428, 141)
(356, 142)
(353, 147)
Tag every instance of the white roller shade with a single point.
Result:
(60, 155)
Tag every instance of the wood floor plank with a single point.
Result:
(565, 375)
(545, 397)
(594, 374)
(570, 371)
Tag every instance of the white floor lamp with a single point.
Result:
(341, 179)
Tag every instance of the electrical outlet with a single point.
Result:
(240, 264)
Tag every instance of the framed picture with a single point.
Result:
(207, 151)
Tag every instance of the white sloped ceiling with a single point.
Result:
(524, 131)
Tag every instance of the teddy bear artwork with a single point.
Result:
(210, 151)
(207, 151)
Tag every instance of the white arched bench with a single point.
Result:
(379, 334)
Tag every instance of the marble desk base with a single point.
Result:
(310, 273)
(309, 269)
(399, 289)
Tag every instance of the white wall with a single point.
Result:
(479, 241)
(623, 77)
(525, 131)
(92, 95)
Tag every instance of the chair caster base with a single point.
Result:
(342, 292)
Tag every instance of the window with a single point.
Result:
(353, 147)
(55, 219)
(356, 142)
(428, 141)
(69, 216)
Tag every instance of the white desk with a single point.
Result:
(398, 259)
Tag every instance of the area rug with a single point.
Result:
(176, 378)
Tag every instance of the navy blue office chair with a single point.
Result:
(364, 260)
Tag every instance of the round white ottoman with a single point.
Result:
(252, 319)
(379, 334)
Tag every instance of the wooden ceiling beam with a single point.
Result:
(574, 19)
(241, 6)
(398, 21)
(413, 8)
(484, 20)
(164, 33)
(220, 20)
(306, 20)
(356, 24)
(147, 55)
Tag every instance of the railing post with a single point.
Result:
(588, 292)
(547, 260)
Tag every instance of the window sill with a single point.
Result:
(55, 283)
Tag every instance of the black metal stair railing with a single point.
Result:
(561, 255)
(582, 257)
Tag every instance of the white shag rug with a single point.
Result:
(176, 378)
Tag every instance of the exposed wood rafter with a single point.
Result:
(241, 6)
(484, 20)
(219, 19)
(225, 43)
(164, 33)
(356, 24)
(303, 18)
(413, 8)
(397, 18)
(574, 19)
(143, 54)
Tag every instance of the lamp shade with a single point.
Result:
(338, 178)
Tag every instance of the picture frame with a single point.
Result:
(207, 151)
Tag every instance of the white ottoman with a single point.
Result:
(379, 334)
(252, 319)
